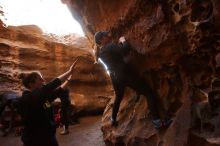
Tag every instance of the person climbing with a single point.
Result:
(36, 110)
(122, 75)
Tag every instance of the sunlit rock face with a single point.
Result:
(26, 48)
(175, 47)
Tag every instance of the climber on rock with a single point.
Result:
(122, 75)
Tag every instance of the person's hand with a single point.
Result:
(122, 39)
(73, 65)
(69, 77)
(96, 62)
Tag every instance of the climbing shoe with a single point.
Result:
(157, 123)
(161, 123)
(166, 123)
(114, 123)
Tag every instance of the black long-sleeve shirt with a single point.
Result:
(36, 110)
(112, 55)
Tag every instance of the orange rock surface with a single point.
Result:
(26, 48)
(175, 47)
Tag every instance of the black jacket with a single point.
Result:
(36, 110)
(112, 55)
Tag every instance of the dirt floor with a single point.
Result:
(87, 133)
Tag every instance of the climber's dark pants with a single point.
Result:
(129, 79)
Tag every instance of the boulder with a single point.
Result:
(175, 44)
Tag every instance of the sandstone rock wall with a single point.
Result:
(175, 47)
(26, 48)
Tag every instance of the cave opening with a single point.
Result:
(51, 16)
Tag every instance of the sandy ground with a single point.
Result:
(87, 133)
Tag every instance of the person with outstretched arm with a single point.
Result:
(36, 109)
(122, 75)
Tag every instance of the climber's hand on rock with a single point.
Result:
(122, 39)
(96, 62)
